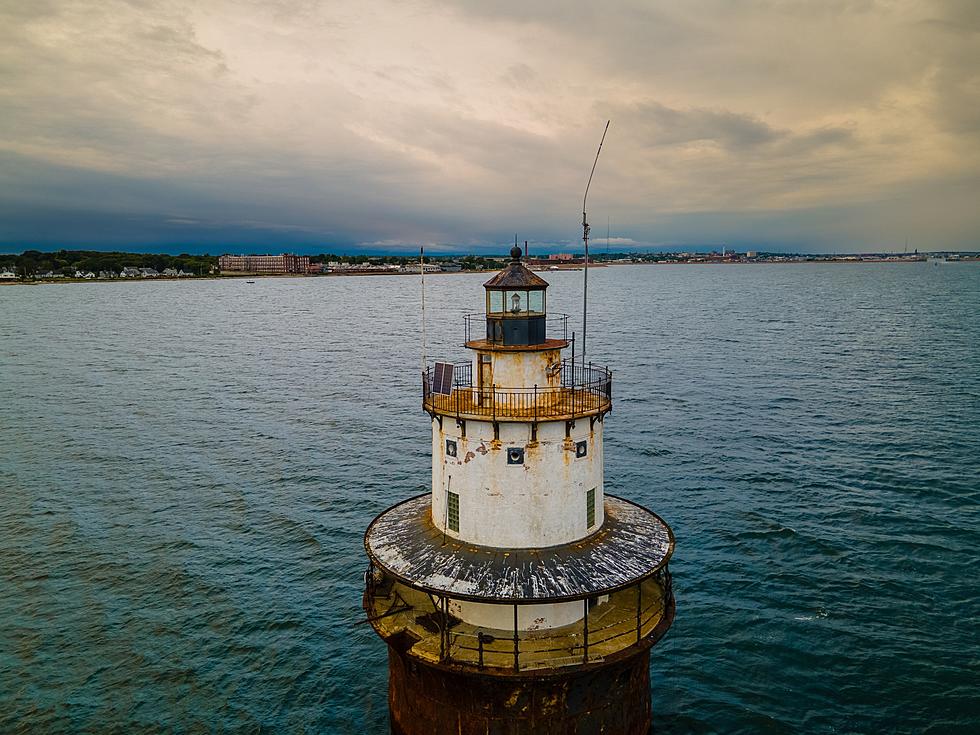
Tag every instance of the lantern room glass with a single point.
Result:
(495, 302)
(516, 302)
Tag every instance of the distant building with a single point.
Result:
(7, 275)
(149, 272)
(414, 268)
(557, 260)
(284, 263)
(751, 253)
(130, 272)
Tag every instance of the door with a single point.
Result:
(484, 380)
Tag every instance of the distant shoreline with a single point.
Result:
(579, 268)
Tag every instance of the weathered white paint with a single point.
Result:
(539, 503)
(529, 617)
(520, 369)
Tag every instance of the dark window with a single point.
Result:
(581, 448)
(590, 508)
(452, 514)
(450, 448)
(515, 455)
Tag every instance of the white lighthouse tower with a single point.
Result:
(518, 596)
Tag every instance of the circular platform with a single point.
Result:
(632, 544)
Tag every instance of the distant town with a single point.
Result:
(33, 266)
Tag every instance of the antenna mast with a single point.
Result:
(585, 239)
(422, 274)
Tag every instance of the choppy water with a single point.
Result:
(186, 471)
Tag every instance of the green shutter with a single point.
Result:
(590, 508)
(453, 514)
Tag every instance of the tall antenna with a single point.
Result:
(585, 239)
(422, 273)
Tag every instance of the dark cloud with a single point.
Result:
(381, 122)
(664, 126)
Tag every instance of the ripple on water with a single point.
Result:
(183, 505)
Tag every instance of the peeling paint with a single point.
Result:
(631, 544)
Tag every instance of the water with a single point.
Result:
(186, 471)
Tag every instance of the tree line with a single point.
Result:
(67, 262)
(32, 263)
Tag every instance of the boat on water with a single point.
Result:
(249, 281)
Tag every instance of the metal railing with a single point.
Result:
(583, 390)
(475, 326)
(630, 615)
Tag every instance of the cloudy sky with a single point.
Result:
(270, 124)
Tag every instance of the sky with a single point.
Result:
(294, 125)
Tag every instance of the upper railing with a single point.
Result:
(584, 390)
(475, 326)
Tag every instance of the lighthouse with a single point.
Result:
(517, 596)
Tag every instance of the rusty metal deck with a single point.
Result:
(614, 625)
(631, 545)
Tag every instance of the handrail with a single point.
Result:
(474, 325)
(511, 649)
(583, 390)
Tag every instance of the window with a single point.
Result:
(515, 455)
(590, 508)
(452, 511)
(581, 449)
(536, 301)
(496, 301)
(450, 448)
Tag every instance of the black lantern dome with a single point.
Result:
(516, 303)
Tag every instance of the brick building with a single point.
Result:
(284, 263)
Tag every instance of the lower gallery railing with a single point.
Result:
(606, 628)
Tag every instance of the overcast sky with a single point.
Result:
(293, 124)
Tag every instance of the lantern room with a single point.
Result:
(516, 305)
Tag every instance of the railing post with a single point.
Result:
(588, 382)
(517, 666)
(442, 632)
(585, 643)
(639, 607)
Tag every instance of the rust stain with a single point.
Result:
(427, 698)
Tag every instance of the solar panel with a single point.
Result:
(442, 378)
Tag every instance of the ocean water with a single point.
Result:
(187, 469)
